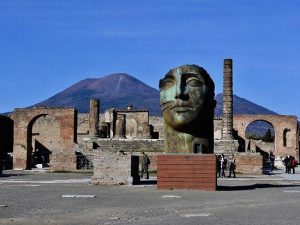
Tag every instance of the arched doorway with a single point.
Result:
(63, 132)
(260, 137)
(43, 139)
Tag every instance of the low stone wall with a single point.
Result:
(151, 147)
(62, 162)
(197, 172)
(115, 168)
(249, 163)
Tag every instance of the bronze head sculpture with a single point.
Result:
(187, 103)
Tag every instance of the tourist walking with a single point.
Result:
(272, 161)
(145, 165)
(219, 165)
(223, 165)
(286, 163)
(232, 166)
(293, 163)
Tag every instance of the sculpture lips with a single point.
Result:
(181, 109)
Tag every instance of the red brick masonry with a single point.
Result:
(194, 171)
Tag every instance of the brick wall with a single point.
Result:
(115, 168)
(249, 163)
(186, 172)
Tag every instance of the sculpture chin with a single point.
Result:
(180, 118)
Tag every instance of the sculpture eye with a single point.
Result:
(194, 82)
(167, 83)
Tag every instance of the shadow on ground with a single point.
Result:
(147, 182)
(15, 175)
(252, 187)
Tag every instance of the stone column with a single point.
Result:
(120, 126)
(94, 117)
(227, 128)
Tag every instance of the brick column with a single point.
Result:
(227, 128)
(120, 126)
(94, 117)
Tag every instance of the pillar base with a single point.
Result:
(188, 171)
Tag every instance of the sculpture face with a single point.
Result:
(183, 94)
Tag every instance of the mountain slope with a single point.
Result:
(114, 91)
(120, 89)
(241, 106)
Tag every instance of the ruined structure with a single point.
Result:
(285, 128)
(227, 128)
(226, 143)
(27, 140)
(50, 136)
(129, 122)
(94, 117)
(116, 160)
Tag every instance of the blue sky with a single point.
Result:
(48, 45)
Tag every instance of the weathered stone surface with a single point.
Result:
(227, 129)
(24, 120)
(94, 117)
(120, 126)
(114, 168)
(249, 163)
(284, 144)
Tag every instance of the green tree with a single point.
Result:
(268, 136)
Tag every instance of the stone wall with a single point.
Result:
(249, 163)
(157, 123)
(280, 123)
(152, 147)
(46, 131)
(24, 128)
(115, 168)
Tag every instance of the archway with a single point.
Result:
(61, 159)
(43, 139)
(279, 123)
(260, 136)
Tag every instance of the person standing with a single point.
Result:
(223, 165)
(293, 163)
(286, 163)
(145, 165)
(232, 166)
(219, 165)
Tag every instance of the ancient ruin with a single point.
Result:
(226, 143)
(58, 143)
(60, 139)
(285, 128)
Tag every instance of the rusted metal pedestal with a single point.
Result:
(187, 171)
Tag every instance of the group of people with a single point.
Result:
(223, 163)
(290, 163)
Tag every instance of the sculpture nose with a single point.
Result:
(180, 91)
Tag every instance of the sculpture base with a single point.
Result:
(189, 171)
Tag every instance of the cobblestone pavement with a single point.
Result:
(34, 197)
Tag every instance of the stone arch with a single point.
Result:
(257, 145)
(279, 122)
(64, 158)
(43, 133)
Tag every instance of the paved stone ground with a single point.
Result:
(32, 197)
